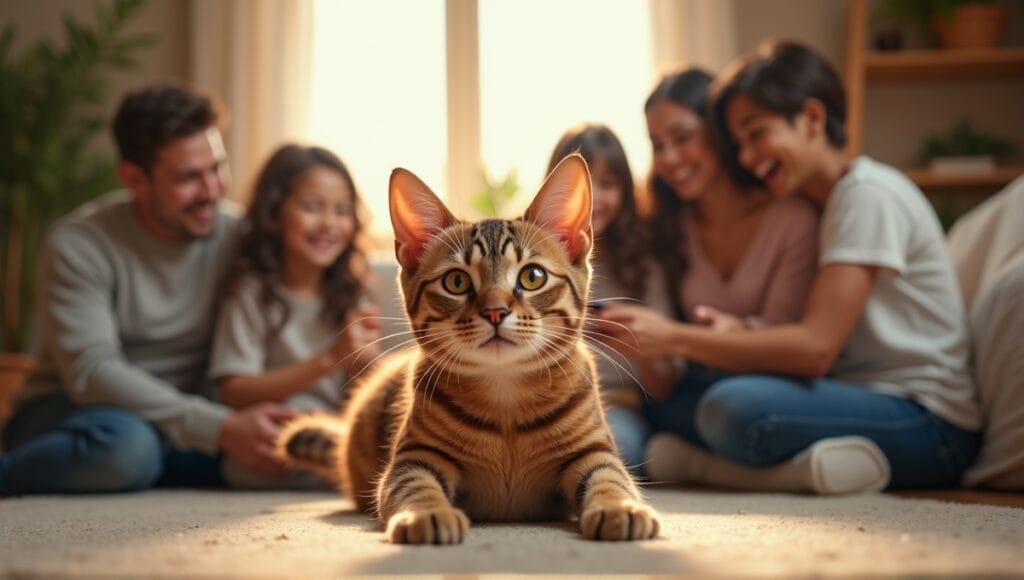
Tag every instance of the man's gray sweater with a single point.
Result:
(126, 319)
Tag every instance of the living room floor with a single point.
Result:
(286, 534)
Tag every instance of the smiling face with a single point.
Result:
(771, 147)
(683, 155)
(317, 218)
(177, 199)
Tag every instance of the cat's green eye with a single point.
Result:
(532, 277)
(457, 282)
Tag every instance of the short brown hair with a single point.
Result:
(148, 118)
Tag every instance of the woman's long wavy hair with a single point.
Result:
(262, 248)
(687, 89)
(621, 247)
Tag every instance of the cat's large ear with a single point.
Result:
(416, 214)
(563, 205)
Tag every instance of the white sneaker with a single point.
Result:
(842, 465)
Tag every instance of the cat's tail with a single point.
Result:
(313, 442)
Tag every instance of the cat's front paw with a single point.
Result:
(446, 525)
(624, 520)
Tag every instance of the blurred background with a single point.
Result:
(470, 92)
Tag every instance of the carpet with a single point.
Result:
(286, 534)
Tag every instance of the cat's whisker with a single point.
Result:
(592, 332)
(547, 340)
(437, 366)
(381, 355)
(541, 355)
(448, 239)
(599, 348)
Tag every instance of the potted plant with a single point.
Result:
(495, 195)
(51, 100)
(965, 150)
(955, 23)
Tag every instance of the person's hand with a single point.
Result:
(635, 331)
(358, 344)
(716, 319)
(250, 436)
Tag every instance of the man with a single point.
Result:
(127, 304)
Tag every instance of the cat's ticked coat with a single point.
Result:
(495, 413)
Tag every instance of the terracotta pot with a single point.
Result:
(14, 369)
(971, 26)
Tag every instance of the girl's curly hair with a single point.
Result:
(262, 249)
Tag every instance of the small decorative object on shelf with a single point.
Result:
(971, 25)
(889, 39)
(955, 23)
(965, 150)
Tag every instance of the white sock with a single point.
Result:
(833, 466)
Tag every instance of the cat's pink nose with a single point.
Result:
(495, 315)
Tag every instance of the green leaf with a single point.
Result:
(51, 93)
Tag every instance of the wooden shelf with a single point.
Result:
(928, 179)
(944, 64)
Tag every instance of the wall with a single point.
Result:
(166, 20)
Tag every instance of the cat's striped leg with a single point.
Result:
(606, 497)
(415, 497)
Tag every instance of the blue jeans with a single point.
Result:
(630, 432)
(56, 447)
(761, 420)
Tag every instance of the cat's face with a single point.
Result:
(506, 295)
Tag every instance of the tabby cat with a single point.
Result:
(495, 413)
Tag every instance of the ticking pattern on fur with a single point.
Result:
(494, 414)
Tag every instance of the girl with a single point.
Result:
(294, 327)
(622, 270)
(884, 317)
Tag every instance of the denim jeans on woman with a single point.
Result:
(761, 420)
(55, 447)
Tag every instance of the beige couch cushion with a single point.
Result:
(987, 246)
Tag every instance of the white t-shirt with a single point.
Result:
(911, 340)
(243, 344)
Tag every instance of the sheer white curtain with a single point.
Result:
(255, 55)
(693, 33)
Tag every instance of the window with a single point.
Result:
(378, 92)
(379, 87)
(546, 66)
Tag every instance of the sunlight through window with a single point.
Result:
(379, 86)
(378, 91)
(546, 66)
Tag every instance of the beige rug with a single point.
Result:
(186, 533)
